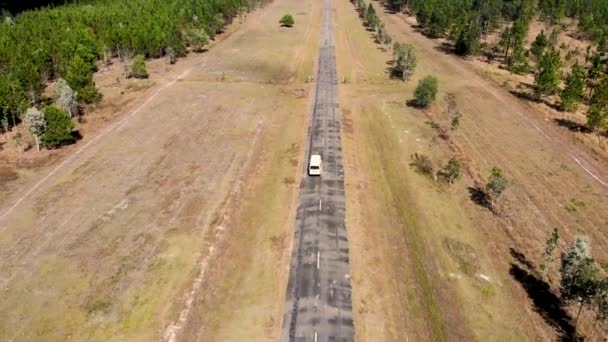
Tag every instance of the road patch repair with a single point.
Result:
(318, 302)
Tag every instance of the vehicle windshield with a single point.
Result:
(314, 167)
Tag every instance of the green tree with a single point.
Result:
(59, 128)
(468, 41)
(450, 172)
(36, 124)
(426, 91)
(80, 78)
(597, 116)
(405, 60)
(573, 93)
(579, 282)
(287, 20)
(539, 45)
(496, 185)
(137, 68)
(548, 76)
(197, 39)
(548, 254)
(65, 98)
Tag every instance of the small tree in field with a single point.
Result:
(450, 172)
(59, 128)
(548, 257)
(36, 124)
(426, 91)
(137, 68)
(404, 60)
(423, 164)
(579, 283)
(496, 185)
(287, 20)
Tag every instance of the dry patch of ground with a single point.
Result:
(108, 246)
(427, 263)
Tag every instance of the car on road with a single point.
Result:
(315, 167)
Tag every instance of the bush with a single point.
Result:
(137, 68)
(450, 172)
(287, 20)
(426, 91)
(197, 39)
(59, 128)
(423, 164)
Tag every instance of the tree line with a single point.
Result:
(67, 42)
(466, 22)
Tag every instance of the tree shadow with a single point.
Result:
(414, 104)
(524, 95)
(479, 197)
(572, 125)
(546, 303)
(446, 48)
(521, 258)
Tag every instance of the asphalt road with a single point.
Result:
(318, 304)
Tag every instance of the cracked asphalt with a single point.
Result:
(318, 303)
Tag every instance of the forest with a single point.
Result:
(67, 42)
(557, 73)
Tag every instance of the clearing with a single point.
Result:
(196, 181)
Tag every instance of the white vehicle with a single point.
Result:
(315, 167)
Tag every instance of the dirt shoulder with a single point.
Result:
(200, 171)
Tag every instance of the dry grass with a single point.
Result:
(452, 254)
(107, 247)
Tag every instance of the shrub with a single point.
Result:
(197, 39)
(423, 164)
(287, 20)
(137, 68)
(450, 172)
(426, 91)
(59, 128)
(496, 184)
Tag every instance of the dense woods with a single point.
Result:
(68, 41)
(570, 76)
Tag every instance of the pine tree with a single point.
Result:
(80, 78)
(59, 128)
(468, 42)
(573, 93)
(539, 45)
(548, 75)
(597, 116)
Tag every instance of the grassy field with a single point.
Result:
(428, 263)
(198, 183)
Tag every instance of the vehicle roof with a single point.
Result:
(315, 159)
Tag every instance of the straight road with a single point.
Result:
(318, 302)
